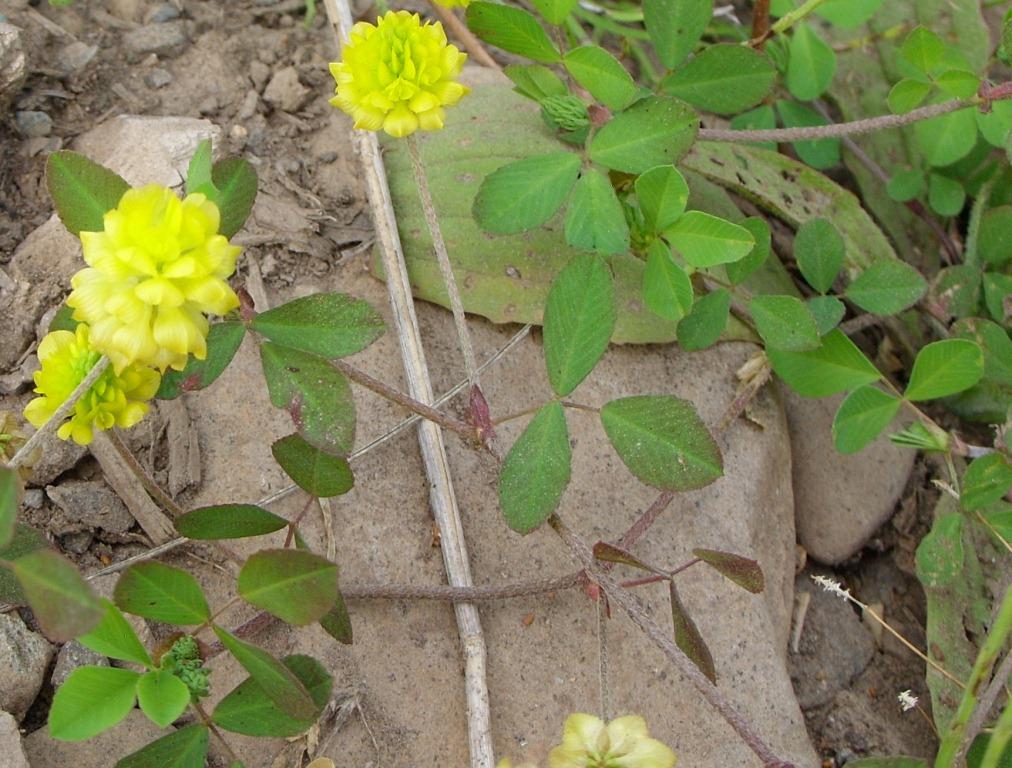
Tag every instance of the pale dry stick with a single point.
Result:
(985, 705)
(466, 37)
(443, 260)
(441, 494)
(661, 638)
(59, 415)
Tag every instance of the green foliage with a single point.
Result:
(742, 571)
(162, 696)
(10, 492)
(837, 366)
(185, 748)
(330, 325)
(662, 441)
(667, 289)
(536, 470)
(535, 81)
(223, 342)
(811, 64)
(862, 417)
(725, 79)
(228, 521)
(185, 662)
(944, 368)
(706, 322)
(162, 593)
(315, 394)
(249, 710)
(706, 241)
(82, 191)
(818, 153)
(819, 251)
(662, 195)
(277, 681)
(115, 638)
(554, 11)
(91, 700)
(602, 75)
(198, 172)
(527, 193)
(512, 29)
(296, 586)
(688, 638)
(987, 480)
(785, 322)
(657, 130)
(314, 471)
(675, 27)
(235, 183)
(63, 603)
(887, 287)
(579, 319)
(595, 220)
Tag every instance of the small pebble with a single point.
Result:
(163, 39)
(158, 78)
(75, 56)
(33, 498)
(33, 123)
(208, 106)
(162, 13)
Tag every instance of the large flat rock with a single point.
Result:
(543, 651)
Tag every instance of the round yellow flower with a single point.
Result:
(623, 743)
(115, 399)
(397, 75)
(157, 268)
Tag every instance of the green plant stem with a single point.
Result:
(788, 20)
(61, 413)
(839, 130)
(953, 744)
(443, 259)
(389, 393)
(1000, 737)
(206, 720)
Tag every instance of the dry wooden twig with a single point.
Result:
(430, 438)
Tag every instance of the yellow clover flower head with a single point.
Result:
(623, 743)
(157, 268)
(115, 399)
(398, 74)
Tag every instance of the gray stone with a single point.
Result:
(33, 123)
(164, 39)
(76, 542)
(259, 73)
(92, 503)
(71, 656)
(840, 501)
(162, 13)
(58, 457)
(12, 62)
(749, 511)
(12, 753)
(158, 78)
(834, 647)
(33, 498)
(101, 751)
(75, 56)
(24, 657)
(285, 92)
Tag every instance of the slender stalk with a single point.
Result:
(642, 525)
(954, 744)
(760, 22)
(661, 639)
(388, 392)
(61, 413)
(206, 720)
(443, 259)
(465, 36)
(788, 20)
(997, 686)
(999, 739)
(837, 130)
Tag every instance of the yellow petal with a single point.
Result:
(647, 753)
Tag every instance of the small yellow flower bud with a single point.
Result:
(397, 75)
(115, 399)
(588, 743)
(155, 271)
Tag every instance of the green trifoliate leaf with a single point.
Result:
(834, 367)
(862, 417)
(512, 29)
(595, 221)
(656, 131)
(91, 700)
(527, 193)
(944, 368)
(706, 241)
(784, 322)
(675, 27)
(602, 75)
(724, 78)
(887, 287)
(703, 325)
(811, 65)
(819, 251)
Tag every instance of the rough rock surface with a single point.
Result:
(59, 456)
(835, 647)
(101, 751)
(71, 656)
(12, 754)
(12, 62)
(285, 92)
(93, 504)
(24, 657)
(405, 663)
(840, 501)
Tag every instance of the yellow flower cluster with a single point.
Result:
(155, 271)
(587, 742)
(397, 75)
(115, 399)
